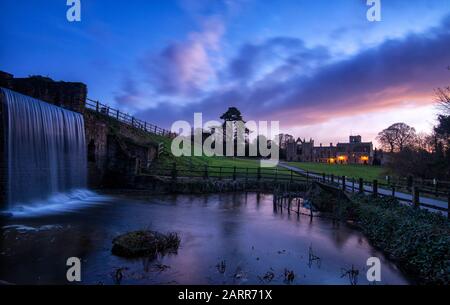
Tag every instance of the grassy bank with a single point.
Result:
(366, 172)
(418, 240)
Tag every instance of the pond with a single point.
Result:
(234, 238)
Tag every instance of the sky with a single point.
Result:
(318, 67)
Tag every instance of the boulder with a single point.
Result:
(144, 243)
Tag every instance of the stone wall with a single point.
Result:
(115, 150)
(70, 95)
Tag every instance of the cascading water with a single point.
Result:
(45, 152)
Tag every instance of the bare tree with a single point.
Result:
(424, 142)
(387, 139)
(443, 99)
(396, 137)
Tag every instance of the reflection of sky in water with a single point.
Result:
(246, 234)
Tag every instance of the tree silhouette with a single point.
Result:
(232, 115)
(396, 137)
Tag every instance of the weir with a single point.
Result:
(44, 149)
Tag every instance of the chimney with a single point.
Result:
(331, 144)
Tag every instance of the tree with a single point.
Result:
(443, 99)
(232, 115)
(424, 142)
(442, 130)
(396, 137)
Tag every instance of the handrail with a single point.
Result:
(436, 187)
(127, 119)
(284, 174)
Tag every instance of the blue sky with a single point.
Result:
(317, 66)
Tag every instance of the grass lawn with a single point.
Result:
(349, 170)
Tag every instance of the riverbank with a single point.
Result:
(416, 239)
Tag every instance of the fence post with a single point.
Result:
(353, 184)
(276, 174)
(448, 206)
(416, 197)
(220, 173)
(205, 174)
(234, 173)
(332, 178)
(289, 203)
(292, 175)
(375, 188)
(323, 178)
(174, 171)
(97, 106)
(343, 183)
(259, 174)
(361, 186)
(393, 191)
(307, 176)
(410, 182)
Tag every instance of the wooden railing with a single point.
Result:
(391, 188)
(127, 119)
(226, 172)
(289, 176)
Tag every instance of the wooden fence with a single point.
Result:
(226, 172)
(392, 188)
(289, 176)
(127, 119)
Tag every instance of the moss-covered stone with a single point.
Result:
(144, 243)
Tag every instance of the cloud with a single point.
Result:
(282, 56)
(313, 88)
(129, 95)
(185, 68)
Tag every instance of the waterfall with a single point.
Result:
(45, 149)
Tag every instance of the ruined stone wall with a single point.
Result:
(70, 95)
(96, 145)
(114, 149)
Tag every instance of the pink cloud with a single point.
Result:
(184, 68)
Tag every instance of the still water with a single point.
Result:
(225, 239)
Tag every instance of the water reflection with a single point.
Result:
(239, 229)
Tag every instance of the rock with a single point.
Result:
(144, 243)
